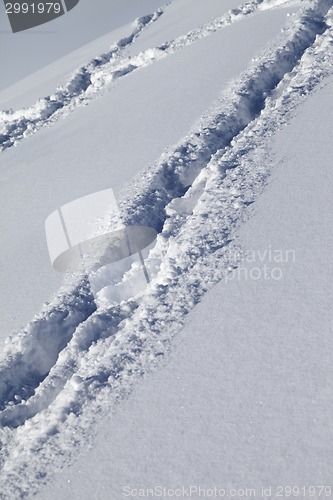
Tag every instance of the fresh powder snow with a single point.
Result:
(211, 122)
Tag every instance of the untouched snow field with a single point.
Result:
(212, 123)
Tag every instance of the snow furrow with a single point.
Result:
(90, 80)
(197, 195)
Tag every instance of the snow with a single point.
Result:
(205, 376)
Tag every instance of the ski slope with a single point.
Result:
(194, 120)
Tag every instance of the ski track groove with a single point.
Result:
(218, 177)
(90, 80)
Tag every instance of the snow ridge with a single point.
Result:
(89, 81)
(196, 195)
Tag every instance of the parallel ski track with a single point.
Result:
(197, 203)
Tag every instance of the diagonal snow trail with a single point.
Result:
(193, 249)
(89, 81)
(165, 183)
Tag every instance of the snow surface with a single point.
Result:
(229, 153)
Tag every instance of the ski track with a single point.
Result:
(90, 80)
(196, 196)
